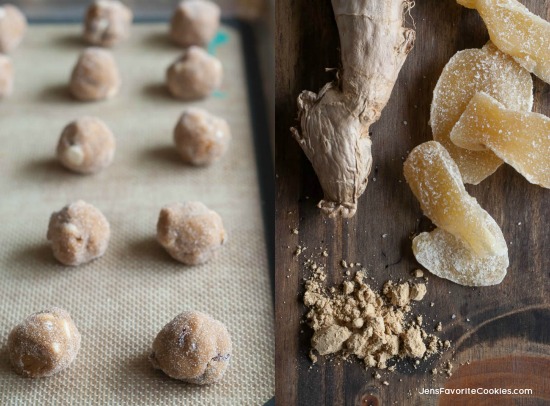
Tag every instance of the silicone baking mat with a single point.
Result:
(121, 301)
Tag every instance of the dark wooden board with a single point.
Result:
(507, 337)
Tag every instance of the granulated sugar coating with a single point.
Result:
(435, 180)
(122, 300)
(86, 146)
(6, 76)
(78, 233)
(449, 257)
(44, 344)
(518, 32)
(469, 247)
(107, 22)
(468, 72)
(520, 139)
(195, 75)
(356, 320)
(194, 348)
(200, 137)
(190, 232)
(13, 25)
(195, 22)
(95, 75)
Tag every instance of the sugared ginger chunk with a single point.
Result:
(518, 32)
(436, 182)
(449, 257)
(469, 247)
(468, 72)
(520, 139)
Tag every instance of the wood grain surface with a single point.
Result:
(502, 331)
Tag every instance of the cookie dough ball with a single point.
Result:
(44, 344)
(86, 145)
(6, 76)
(195, 22)
(194, 75)
(200, 137)
(95, 76)
(13, 26)
(194, 348)
(190, 232)
(107, 22)
(78, 233)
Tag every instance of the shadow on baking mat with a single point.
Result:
(164, 155)
(57, 93)
(158, 91)
(161, 40)
(140, 366)
(149, 250)
(71, 41)
(5, 365)
(47, 168)
(139, 369)
(35, 258)
(167, 157)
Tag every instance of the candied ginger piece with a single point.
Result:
(520, 139)
(468, 72)
(449, 257)
(435, 180)
(517, 32)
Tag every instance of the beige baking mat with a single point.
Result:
(122, 300)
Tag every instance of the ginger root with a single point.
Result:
(517, 32)
(521, 139)
(335, 122)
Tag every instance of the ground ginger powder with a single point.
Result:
(357, 320)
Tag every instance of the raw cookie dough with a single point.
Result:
(195, 22)
(78, 233)
(6, 76)
(95, 76)
(86, 145)
(107, 22)
(190, 232)
(201, 138)
(13, 26)
(194, 348)
(44, 344)
(195, 75)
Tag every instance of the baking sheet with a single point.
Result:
(122, 300)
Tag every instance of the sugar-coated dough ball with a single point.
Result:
(190, 232)
(194, 75)
(78, 233)
(13, 26)
(200, 137)
(194, 348)
(6, 76)
(195, 22)
(44, 344)
(86, 145)
(95, 75)
(107, 22)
